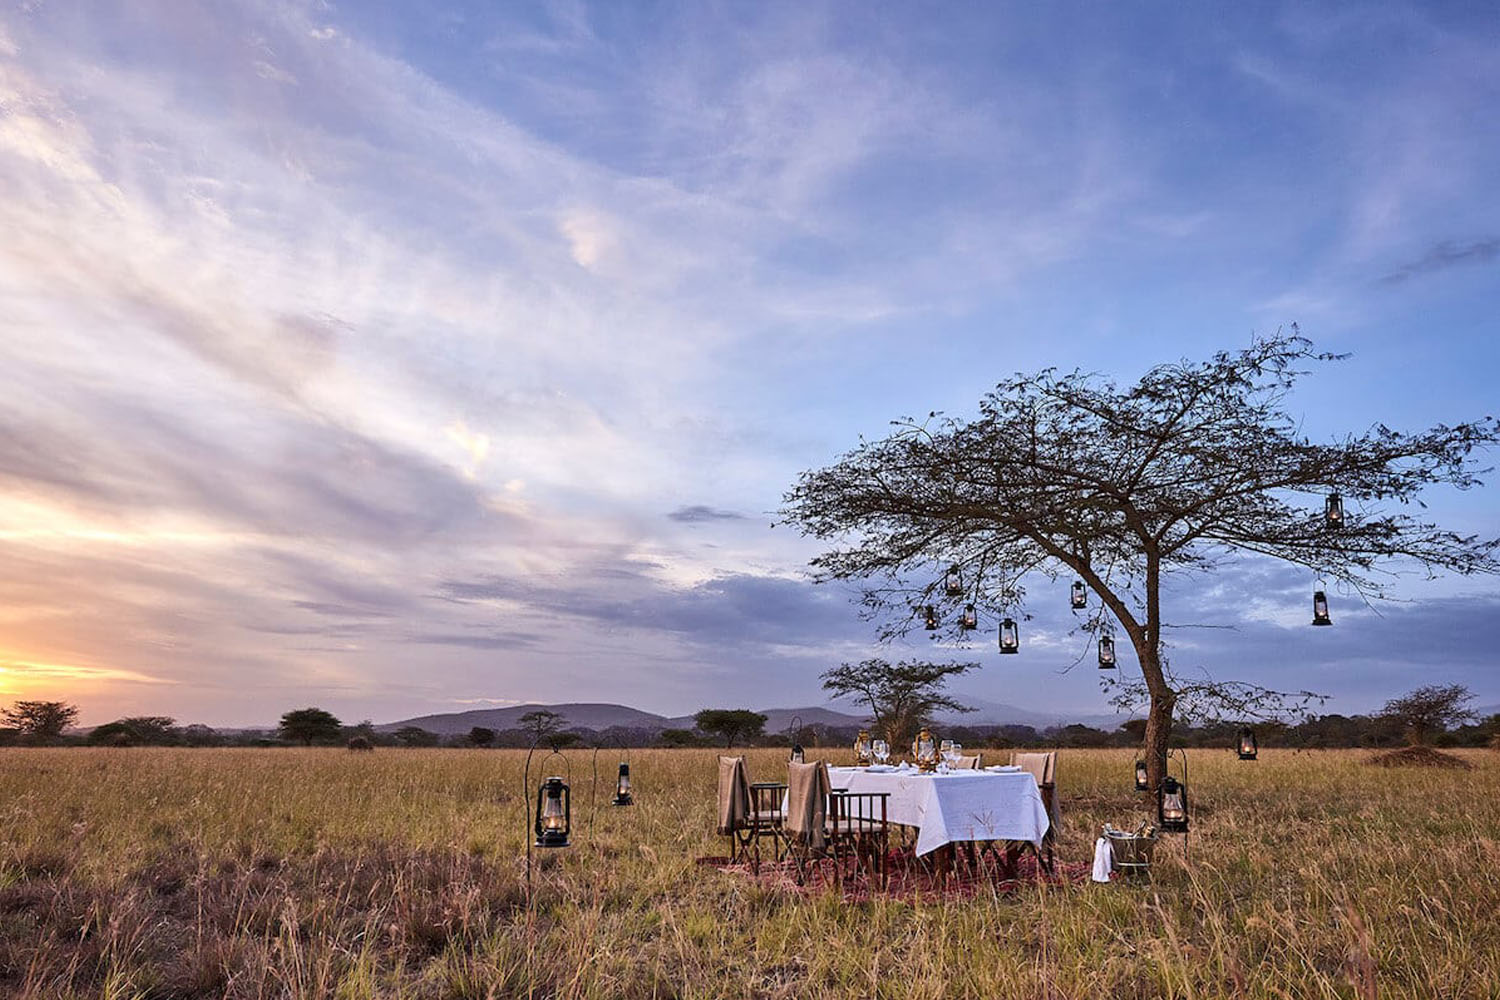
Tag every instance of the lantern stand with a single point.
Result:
(1249, 746)
(526, 800)
(1168, 784)
(793, 732)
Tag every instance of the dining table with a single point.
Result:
(959, 805)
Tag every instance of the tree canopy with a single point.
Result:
(40, 721)
(730, 724)
(1122, 486)
(1428, 709)
(310, 725)
(902, 697)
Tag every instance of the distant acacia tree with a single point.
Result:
(1429, 709)
(415, 736)
(542, 724)
(730, 724)
(902, 697)
(40, 721)
(310, 725)
(1072, 475)
(137, 731)
(481, 736)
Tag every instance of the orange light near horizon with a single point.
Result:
(17, 677)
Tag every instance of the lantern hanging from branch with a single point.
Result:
(1010, 638)
(930, 618)
(953, 584)
(1248, 747)
(970, 618)
(1106, 653)
(1142, 778)
(1333, 511)
(623, 796)
(1080, 596)
(1320, 609)
(554, 813)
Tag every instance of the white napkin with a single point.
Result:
(904, 766)
(1104, 859)
(1004, 768)
(880, 767)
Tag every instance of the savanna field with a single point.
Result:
(139, 873)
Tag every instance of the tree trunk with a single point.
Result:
(1158, 716)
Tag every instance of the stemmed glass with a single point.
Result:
(881, 749)
(958, 752)
(945, 751)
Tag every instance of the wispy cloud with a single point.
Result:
(1442, 256)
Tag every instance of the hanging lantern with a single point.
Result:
(1320, 609)
(970, 617)
(1171, 805)
(924, 750)
(862, 747)
(1010, 639)
(1142, 778)
(1080, 596)
(1248, 748)
(929, 618)
(554, 813)
(953, 584)
(622, 787)
(1333, 511)
(1106, 653)
(797, 756)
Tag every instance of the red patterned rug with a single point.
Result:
(910, 877)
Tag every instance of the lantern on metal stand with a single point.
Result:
(1080, 598)
(1142, 777)
(1248, 748)
(1106, 653)
(1172, 797)
(1010, 637)
(623, 796)
(554, 812)
(1320, 609)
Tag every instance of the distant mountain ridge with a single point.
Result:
(597, 716)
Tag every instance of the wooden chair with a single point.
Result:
(747, 813)
(1043, 767)
(827, 823)
(858, 829)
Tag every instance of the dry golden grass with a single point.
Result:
(319, 873)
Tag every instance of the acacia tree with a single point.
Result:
(1072, 474)
(902, 696)
(730, 723)
(41, 721)
(1434, 707)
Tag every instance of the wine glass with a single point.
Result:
(881, 749)
(958, 752)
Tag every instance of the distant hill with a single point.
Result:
(589, 715)
(596, 716)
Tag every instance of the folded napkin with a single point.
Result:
(1104, 859)
(881, 767)
(904, 766)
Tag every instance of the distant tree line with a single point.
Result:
(1436, 715)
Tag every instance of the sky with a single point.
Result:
(406, 358)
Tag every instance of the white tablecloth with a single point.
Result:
(959, 805)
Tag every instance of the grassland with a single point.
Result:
(319, 873)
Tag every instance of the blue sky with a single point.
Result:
(401, 358)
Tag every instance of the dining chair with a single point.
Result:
(967, 763)
(747, 813)
(1043, 767)
(858, 829)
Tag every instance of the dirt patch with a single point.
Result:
(1419, 757)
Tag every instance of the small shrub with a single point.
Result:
(361, 744)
